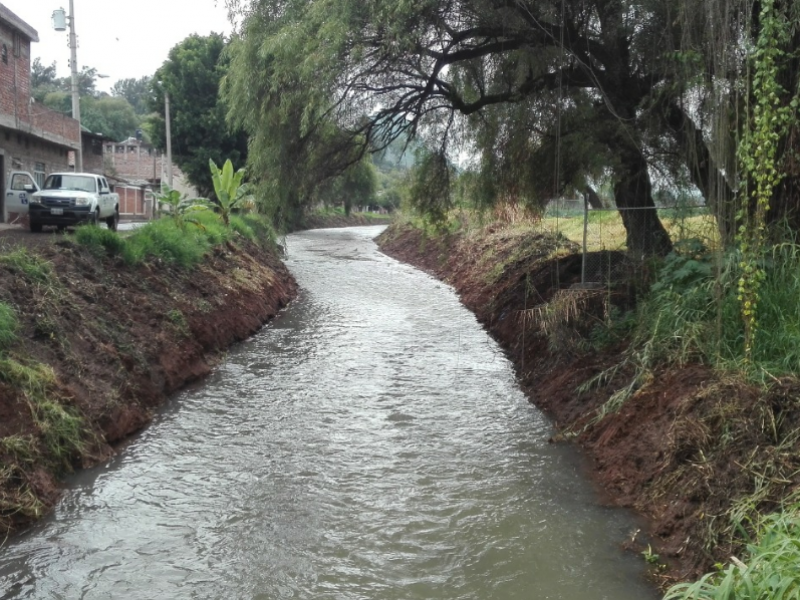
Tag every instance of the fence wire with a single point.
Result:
(601, 236)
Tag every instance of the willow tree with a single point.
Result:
(594, 86)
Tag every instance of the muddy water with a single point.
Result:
(369, 444)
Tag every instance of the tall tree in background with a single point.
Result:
(191, 76)
(136, 91)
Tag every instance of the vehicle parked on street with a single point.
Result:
(21, 185)
(69, 199)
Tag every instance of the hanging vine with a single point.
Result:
(758, 155)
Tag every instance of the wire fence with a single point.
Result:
(602, 238)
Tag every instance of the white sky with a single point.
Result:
(119, 38)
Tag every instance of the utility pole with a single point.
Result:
(76, 97)
(169, 139)
(58, 25)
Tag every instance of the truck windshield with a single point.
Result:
(78, 183)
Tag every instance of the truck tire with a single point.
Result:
(95, 220)
(35, 227)
(113, 220)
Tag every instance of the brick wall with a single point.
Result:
(16, 108)
(134, 162)
(15, 75)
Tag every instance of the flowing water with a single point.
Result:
(370, 443)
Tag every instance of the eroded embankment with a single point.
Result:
(690, 449)
(100, 345)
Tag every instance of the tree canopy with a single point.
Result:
(547, 95)
(191, 77)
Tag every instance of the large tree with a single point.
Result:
(191, 77)
(380, 69)
(136, 91)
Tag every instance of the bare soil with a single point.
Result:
(690, 449)
(120, 340)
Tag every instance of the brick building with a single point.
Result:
(135, 165)
(41, 141)
(32, 137)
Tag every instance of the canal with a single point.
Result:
(370, 443)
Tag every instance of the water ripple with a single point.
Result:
(371, 443)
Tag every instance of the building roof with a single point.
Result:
(16, 23)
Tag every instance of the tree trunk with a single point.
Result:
(633, 190)
(590, 196)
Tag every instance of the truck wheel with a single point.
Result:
(95, 220)
(36, 227)
(113, 220)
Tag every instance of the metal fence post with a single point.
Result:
(585, 233)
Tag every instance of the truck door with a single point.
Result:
(20, 187)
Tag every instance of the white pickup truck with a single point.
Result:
(73, 198)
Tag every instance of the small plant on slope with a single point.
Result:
(231, 193)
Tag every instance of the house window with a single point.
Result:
(17, 44)
(39, 174)
(4, 54)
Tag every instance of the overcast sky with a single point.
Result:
(119, 38)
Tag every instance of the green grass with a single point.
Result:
(770, 570)
(32, 267)
(183, 243)
(22, 447)
(8, 326)
(100, 240)
(61, 428)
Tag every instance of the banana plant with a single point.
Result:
(179, 208)
(231, 193)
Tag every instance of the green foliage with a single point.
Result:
(693, 313)
(113, 117)
(758, 156)
(769, 571)
(191, 76)
(100, 241)
(230, 192)
(687, 266)
(136, 92)
(165, 240)
(61, 427)
(8, 326)
(179, 208)
(260, 226)
(356, 186)
(31, 266)
(430, 193)
(615, 328)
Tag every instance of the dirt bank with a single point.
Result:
(689, 449)
(100, 345)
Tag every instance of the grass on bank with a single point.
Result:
(770, 569)
(183, 243)
(687, 311)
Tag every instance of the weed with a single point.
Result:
(8, 326)
(61, 428)
(34, 268)
(769, 569)
(21, 447)
(650, 557)
(101, 241)
(177, 318)
(165, 240)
